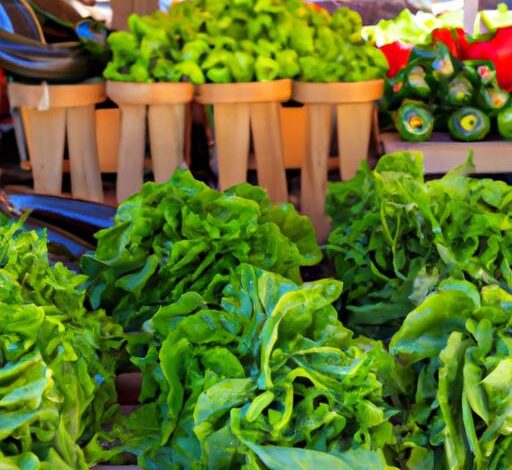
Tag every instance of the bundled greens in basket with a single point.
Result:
(56, 359)
(269, 379)
(223, 41)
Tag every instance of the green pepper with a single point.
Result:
(469, 124)
(258, 24)
(225, 43)
(505, 123)
(460, 91)
(486, 73)
(288, 61)
(163, 71)
(480, 73)
(113, 72)
(266, 69)
(302, 38)
(195, 50)
(219, 74)
(320, 16)
(333, 72)
(139, 72)
(237, 30)
(268, 6)
(375, 57)
(189, 70)
(218, 57)
(283, 28)
(267, 48)
(414, 121)
(310, 69)
(443, 67)
(435, 58)
(346, 22)
(416, 84)
(241, 66)
(492, 99)
(216, 7)
(124, 44)
(326, 46)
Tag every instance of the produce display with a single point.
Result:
(57, 360)
(219, 41)
(243, 365)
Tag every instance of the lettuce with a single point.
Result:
(182, 236)
(56, 359)
(459, 341)
(271, 375)
(396, 237)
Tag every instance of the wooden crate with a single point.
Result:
(239, 110)
(441, 153)
(160, 109)
(52, 115)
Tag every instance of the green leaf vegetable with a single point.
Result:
(222, 42)
(56, 359)
(270, 376)
(459, 341)
(396, 237)
(182, 236)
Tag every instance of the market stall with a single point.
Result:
(348, 311)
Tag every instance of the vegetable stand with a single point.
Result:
(164, 106)
(239, 109)
(50, 112)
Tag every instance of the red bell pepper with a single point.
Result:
(497, 49)
(397, 54)
(453, 38)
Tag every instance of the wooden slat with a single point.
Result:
(166, 137)
(108, 129)
(83, 154)
(268, 147)
(354, 131)
(132, 146)
(314, 172)
(232, 138)
(442, 154)
(47, 135)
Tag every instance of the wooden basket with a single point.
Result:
(49, 113)
(355, 103)
(164, 105)
(240, 108)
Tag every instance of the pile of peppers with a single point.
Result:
(226, 41)
(431, 87)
